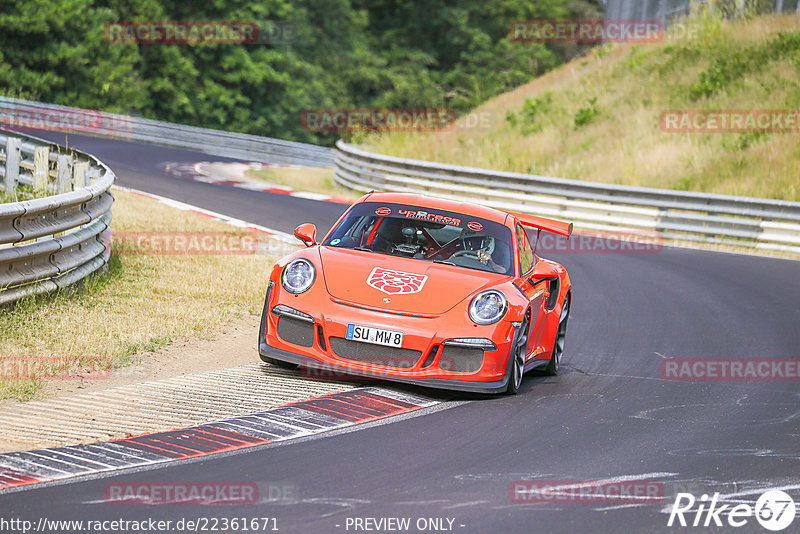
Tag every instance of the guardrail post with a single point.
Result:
(41, 167)
(63, 173)
(12, 167)
(80, 175)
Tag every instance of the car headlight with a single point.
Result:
(488, 307)
(298, 275)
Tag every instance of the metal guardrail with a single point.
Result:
(52, 242)
(19, 114)
(667, 10)
(678, 215)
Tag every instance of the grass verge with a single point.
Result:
(598, 118)
(143, 302)
(308, 179)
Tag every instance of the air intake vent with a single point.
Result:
(553, 298)
(431, 356)
(295, 331)
(321, 337)
(375, 354)
(461, 359)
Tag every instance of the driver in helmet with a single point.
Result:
(482, 247)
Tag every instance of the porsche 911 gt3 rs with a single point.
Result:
(420, 290)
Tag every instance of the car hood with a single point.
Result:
(382, 281)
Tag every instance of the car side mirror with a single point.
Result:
(543, 271)
(307, 233)
(546, 272)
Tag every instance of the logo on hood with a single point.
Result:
(394, 282)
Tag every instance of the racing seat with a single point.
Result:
(502, 255)
(390, 233)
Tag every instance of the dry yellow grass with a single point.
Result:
(625, 144)
(308, 179)
(140, 305)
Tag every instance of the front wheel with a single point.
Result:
(558, 345)
(517, 357)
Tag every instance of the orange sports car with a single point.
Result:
(420, 290)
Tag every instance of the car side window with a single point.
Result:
(525, 251)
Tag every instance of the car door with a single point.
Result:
(534, 291)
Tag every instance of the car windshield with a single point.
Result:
(426, 234)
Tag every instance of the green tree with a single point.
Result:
(55, 51)
(347, 53)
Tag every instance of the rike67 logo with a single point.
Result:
(774, 510)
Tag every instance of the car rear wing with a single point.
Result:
(557, 227)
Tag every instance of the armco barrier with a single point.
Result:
(679, 215)
(24, 115)
(52, 242)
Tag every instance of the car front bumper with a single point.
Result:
(436, 364)
(265, 350)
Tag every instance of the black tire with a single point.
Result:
(558, 344)
(262, 330)
(517, 358)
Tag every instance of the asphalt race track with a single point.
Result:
(608, 415)
(141, 166)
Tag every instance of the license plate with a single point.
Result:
(376, 336)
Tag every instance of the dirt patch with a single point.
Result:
(228, 346)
